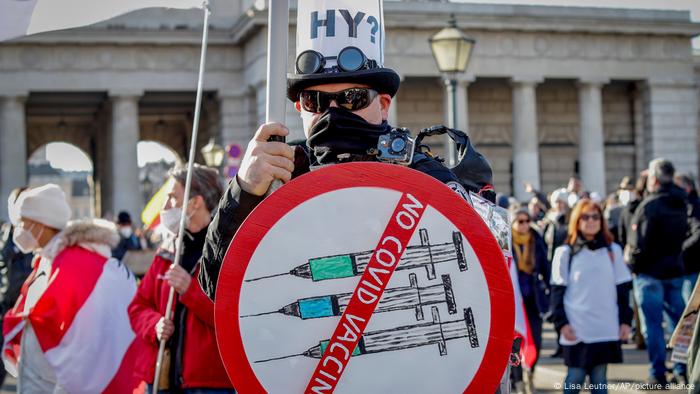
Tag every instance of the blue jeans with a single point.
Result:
(576, 377)
(149, 390)
(688, 285)
(656, 296)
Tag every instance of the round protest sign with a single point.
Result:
(364, 277)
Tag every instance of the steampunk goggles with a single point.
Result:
(349, 59)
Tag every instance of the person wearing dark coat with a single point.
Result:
(530, 256)
(127, 239)
(623, 229)
(654, 250)
(556, 221)
(635, 198)
(691, 245)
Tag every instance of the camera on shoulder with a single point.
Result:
(396, 147)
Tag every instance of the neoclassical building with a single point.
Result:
(550, 92)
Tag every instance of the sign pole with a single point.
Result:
(276, 91)
(188, 183)
(277, 44)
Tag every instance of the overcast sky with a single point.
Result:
(689, 5)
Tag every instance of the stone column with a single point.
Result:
(591, 145)
(671, 123)
(461, 108)
(640, 161)
(526, 158)
(13, 148)
(124, 136)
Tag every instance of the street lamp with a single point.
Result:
(213, 154)
(452, 50)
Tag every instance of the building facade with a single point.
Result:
(550, 92)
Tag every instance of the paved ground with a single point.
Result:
(550, 372)
(10, 386)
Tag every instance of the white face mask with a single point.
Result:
(625, 197)
(126, 231)
(170, 219)
(25, 240)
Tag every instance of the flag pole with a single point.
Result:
(276, 90)
(188, 183)
(277, 43)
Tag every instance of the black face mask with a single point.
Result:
(341, 132)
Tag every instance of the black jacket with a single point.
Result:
(15, 267)
(536, 284)
(555, 232)
(236, 204)
(659, 228)
(691, 245)
(625, 224)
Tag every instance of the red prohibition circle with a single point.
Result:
(343, 176)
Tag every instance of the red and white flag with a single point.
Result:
(80, 322)
(24, 17)
(522, 325)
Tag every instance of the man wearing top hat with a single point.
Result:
(343, 93)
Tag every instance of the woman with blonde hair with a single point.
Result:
(590, 298)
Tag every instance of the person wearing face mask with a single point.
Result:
(343, 94)
(127, 239)
(75, 293)
(191, 362)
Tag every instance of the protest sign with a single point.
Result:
(364, 277)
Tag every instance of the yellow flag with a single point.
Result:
(150, 216)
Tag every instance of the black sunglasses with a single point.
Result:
(353, 99)
(349, 59)
(586, 217)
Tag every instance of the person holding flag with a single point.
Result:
(191, 361)
(69, 329)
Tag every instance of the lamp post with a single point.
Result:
(213, 154)
(452, 50)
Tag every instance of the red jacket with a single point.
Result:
(202, 366)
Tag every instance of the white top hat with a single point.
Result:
(340, 41)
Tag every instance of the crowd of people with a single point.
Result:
(40, 236)
(605, 269)
(600, 270)
(76, 320)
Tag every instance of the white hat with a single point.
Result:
(45, 204)
(329, 31)
(559, 195)
(12, 207)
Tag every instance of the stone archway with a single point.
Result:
(69, 167)
(155, 160)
